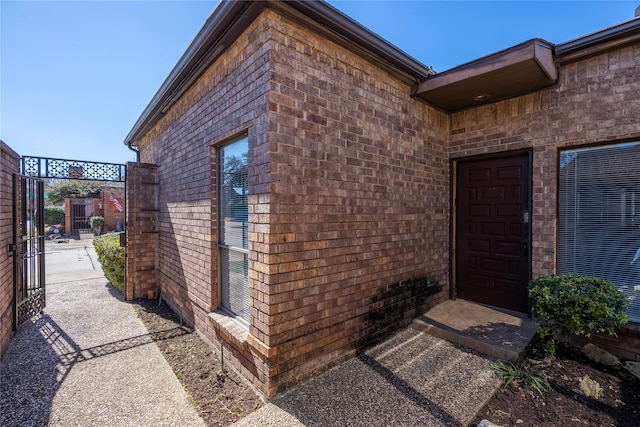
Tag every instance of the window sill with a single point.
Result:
(230, 330)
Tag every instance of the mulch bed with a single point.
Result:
(563, 405)
(221, 397)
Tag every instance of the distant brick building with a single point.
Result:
(305, 187)
(107, 203)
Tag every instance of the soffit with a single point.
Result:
(506, 74)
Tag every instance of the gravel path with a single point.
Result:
(88, 360)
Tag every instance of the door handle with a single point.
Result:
(525, 248)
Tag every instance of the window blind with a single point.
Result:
(233, 222)
(599, 216)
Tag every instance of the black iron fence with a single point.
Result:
(43, 167)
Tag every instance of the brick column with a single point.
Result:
(9, 164)
(141, 230)
(67, 216)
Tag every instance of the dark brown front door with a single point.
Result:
(492, 231)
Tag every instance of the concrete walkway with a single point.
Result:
(88, 360)
(411, 379)
(433, 374)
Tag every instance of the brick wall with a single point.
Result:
(9, 164)
(349, 189)
(141, 230)
(351, 242)
(228, 100)
(67, 215)
(348, 201)
(112, 217)
(595, 101)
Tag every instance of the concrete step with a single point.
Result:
(491, 331)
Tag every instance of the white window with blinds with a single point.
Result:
(233, 214)
(599, 216)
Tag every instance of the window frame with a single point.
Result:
(220, 223)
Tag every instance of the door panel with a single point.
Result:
(492, 231)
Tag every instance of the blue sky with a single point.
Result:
(76, 75)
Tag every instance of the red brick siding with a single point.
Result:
(111, 215)
(595, 101)
(358, 206)
(9, 164)
(228, 100)
(141, 231)
(67, 215)
(349, 188)
(348, 200)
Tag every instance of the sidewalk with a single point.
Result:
(88, 360)
(411, 379)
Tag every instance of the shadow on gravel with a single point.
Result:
(407, 390)
(38, 361)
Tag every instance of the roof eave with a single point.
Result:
(229, 20)
(609, 38)
(331, 18)
(506, 74)
(203, 50)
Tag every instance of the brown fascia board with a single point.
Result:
(231, 18)
(518, 70)
(203, 50)
(515, 71)
(613, 37)
(349, 30)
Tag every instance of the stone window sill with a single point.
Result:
(230, 330)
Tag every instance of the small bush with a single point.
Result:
(53, 215)
(111, 257)
(514, 373)
(96, 223)
(573, 304)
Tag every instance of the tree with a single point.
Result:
(236, 186)
(235, 172)
(73, 189)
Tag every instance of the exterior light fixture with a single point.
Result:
(481, 97)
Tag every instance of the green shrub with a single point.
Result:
(111, 257)
(96, 223)
(573, 304)
(53, 215)
(514, 373)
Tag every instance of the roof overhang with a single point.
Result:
(231, 18)
(614, 37)
(520, 69)
(516, 71)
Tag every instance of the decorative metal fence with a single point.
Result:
(43, 167)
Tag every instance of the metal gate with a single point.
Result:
(81, 212)
(28, 248)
